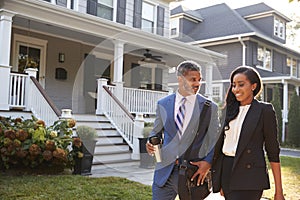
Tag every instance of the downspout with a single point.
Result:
(244, 50)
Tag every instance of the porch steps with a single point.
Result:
(111, 150)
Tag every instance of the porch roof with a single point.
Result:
(51, 18)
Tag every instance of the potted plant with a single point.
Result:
(146, 161)
(87, 136)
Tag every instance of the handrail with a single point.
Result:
(119, 103)
(47, 98)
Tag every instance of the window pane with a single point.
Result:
(104, 12)
(28, 58)
(148, 11)
(260, 53)
(147, 26)
(106, 2)
(268, 59)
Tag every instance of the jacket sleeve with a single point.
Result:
(270, 133)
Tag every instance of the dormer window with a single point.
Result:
(279, 28)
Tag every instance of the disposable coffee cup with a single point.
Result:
(156, 142)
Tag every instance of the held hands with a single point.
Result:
(203, 169)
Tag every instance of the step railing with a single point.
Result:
(119, 116)
(26, 93)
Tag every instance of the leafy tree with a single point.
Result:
(294, 118)
(277, 107)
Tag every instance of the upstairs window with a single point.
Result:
(217, 93)
(264, 58)
(279, 28)
(148, 16)
(174, 26)
(101, 8)
(292, 64)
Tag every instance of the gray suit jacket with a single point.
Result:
(173, 147)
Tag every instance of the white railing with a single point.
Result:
(40, 106)
(119, 117)
(17, 86)
(26, 93)
(138, 100)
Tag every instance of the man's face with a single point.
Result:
(189, 83)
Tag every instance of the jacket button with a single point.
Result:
(248, 166)
(248, 151)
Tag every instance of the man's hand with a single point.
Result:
(203, 169)
(150, 148)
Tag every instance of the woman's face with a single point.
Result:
(243, 89)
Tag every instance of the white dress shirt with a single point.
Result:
(189, 108)
(233, 134)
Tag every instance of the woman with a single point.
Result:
(239, 166)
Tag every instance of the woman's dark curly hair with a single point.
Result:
(231, 103)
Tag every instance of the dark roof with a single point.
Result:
(254, 9)
(183, 10)
(221, 21)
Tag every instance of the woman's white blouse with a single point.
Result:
(233, 134)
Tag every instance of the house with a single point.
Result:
(254, 35)
(101, 61)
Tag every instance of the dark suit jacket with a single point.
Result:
(172, 145)
(259, 132)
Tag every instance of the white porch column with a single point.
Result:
(208, 80)
(100, 95)
(138, 133)
(118, 68)
(297, 90)
(5, 41)
(285, 109)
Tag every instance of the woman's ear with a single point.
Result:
(254, 86)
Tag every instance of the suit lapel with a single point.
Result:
(192, 126)
(248, 128)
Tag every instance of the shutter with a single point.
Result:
(160, 20)
(121, 11)
(137, 14)
(91, 7)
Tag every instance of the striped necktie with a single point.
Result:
(180, 116)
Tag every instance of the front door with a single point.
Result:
(30, 53)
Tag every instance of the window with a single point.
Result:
(292, 64)
(279, 28)
(217, 93)
(264, 56)
(101, 8)
(174, 26)
(148, 15)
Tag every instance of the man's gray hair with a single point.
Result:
(187, 65)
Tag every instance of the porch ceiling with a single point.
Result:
(63, 22)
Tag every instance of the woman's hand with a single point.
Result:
(203, 169)
(279, 196)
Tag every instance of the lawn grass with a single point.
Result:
(290, 169)
(71, 187)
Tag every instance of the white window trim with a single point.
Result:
(291, 66)
(31, 42)
(220, 86)
(281, 23)
(271, 61)
(68, 3)
(176, 26)
(154, 13)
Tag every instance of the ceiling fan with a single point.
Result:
(148, 56)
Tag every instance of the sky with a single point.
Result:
(283, 6)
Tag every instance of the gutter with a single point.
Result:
(244, 51)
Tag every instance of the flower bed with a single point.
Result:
(30, 144)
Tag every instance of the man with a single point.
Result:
(178, 128)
